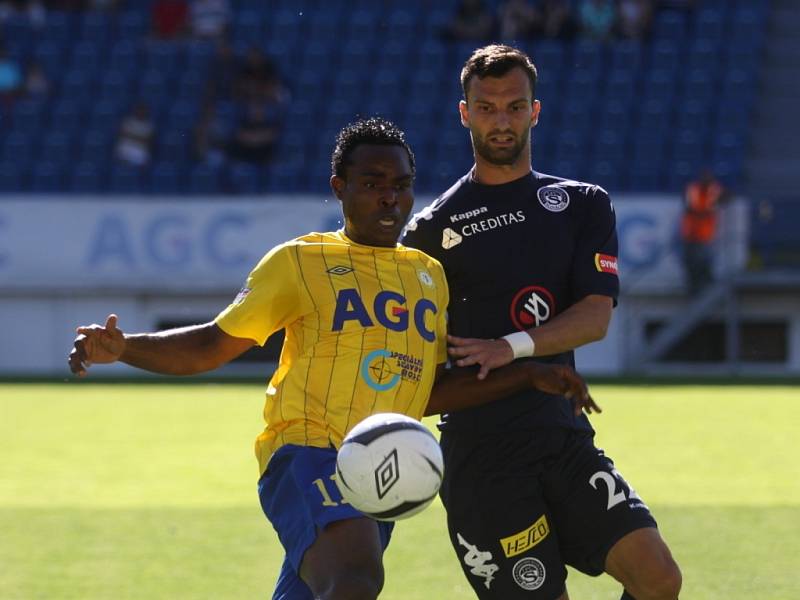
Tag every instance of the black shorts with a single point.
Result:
(522, 505)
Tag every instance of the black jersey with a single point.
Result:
(515, 256)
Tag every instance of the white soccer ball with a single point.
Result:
(389, 467)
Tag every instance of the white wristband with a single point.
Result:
(521, 343)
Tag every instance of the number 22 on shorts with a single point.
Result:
(614, 496)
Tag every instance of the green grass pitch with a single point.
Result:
(148, 492)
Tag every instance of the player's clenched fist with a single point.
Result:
(96, 344)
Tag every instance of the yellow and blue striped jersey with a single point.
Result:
(365, 329)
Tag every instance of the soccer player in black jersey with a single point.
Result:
(531, 264)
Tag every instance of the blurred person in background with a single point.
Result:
(255, 135)
(558, 20)
(37, 84)
(471, 21)
(11, 79)
(519, 20)
(701, 202)
(635, 18)
(33, 10)
(169, 19)
(210, 19)
(597, 19)
(134, 143)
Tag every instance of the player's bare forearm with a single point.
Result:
(184, 351)
(584, 322)
(457, 389)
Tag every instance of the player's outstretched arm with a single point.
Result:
(183, 351)
(457, 389)
(584, 322)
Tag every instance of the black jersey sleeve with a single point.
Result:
(417, 233)
(595, 264)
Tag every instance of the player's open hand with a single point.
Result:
(489, 354)
(563, 380)
(96, 344)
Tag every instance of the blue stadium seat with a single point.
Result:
(689, 146)
(18, 147)
(125, 179)
(96, 146)
(670, 25)
(28, 115)
(166, 178)
(244, 179)
(11, 178)
(77, 85)
(709, 24)
(604, 173)
(87, 178)
(132, 24)
(620, 86)
(125, 57)
(164, 57)
(48, 178)
(67, 115)
(57, 148)
(583, 85)
(247, 27)
(199, 55)
(356, 56)
(572, 144)
(86, 57)
(362, 25)
(173, 146)
(402, 25)
(589, 55)
(106, 116)
(549, 55)
(51, 57)
(626, 55)
(58, 28)
(665, 56)
(205, 180)
(96, 26)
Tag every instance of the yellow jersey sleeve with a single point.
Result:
(441, 317)
(271, 298)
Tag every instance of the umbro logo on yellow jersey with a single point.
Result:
(340, 270)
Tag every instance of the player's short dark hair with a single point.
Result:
(374, 130)
(495, 61)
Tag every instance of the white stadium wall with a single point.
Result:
(66, 261)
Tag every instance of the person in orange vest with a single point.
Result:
(699, 228)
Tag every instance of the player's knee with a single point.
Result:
(664, 583)
(669, 582)
(354, 585)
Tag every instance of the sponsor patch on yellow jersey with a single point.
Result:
(525, 539)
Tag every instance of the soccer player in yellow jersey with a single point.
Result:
(365, 333)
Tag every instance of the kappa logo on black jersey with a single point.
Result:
(553, 198)
(532, 306)
(450, 238)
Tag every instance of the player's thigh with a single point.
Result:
(593, 505)
(301, 500)
(502, 533)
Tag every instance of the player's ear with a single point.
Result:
(337, 185)
(537, 106)
(464, 112)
